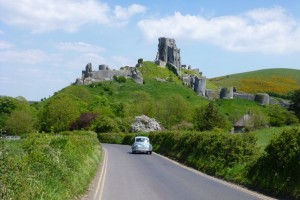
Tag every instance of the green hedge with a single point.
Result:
(278, 169)
(213, 153)
(119, 138)
(234, 157)
(46, 166)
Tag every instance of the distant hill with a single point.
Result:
(274, 81)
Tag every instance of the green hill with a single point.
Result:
(274, 81)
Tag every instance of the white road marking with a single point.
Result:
(99, 190)
(258, 195)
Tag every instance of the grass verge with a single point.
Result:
(46, 166)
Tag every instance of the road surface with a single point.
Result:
(141, 176)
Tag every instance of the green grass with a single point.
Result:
(234, 109)
(264, 136)
(46, 166)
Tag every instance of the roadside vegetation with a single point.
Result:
(67, 127)
(49, 166)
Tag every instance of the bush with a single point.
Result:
(118, 138)
(208, 117)
(277, 170)
(19, 122)
(119, 79)
(212, 153)
(84, 121)
(104, 124)
(279, 116)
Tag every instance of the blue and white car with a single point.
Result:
(141, 145)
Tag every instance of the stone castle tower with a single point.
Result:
(168, 53)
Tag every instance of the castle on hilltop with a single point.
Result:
(168, 53)
(105, 74)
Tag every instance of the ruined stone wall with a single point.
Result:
(243, 95)
(104, 73)
(108, 74)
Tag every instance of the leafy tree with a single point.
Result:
(7, 105)
(172, 110)
(59, 114)
(257, 120)
(296, 102)
(280, 116)
(19, 122)
(208, 117)
(142, 103)
(84, 121)
(104, 124)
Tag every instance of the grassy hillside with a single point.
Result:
(279, 81)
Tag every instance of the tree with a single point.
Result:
(172, 110)
(208, 117)
(19, 122)
(7, 105)
(59, 114)
(280, 116)
(84, 121)
(296, 102)
(142, 104)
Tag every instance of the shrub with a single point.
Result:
(279, 116)
(212, 153)
(104, 124)
(119, 79)
(208, 118)
(277, 170)
(84, 121)
(296, 102)
(19, 122)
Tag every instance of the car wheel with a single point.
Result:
(150, 152)
(133, 152)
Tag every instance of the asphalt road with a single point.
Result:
(141, 176)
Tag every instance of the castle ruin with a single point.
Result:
(104, 74)
(168, 53)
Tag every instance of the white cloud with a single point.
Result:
(125, 13)
(30, 56)
(5, 45)
(80, 47)
(260, 30)
(68, 15)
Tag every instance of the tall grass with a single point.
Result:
(45, 166)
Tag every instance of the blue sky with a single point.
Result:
(44, 45)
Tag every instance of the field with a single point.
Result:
(278, 81)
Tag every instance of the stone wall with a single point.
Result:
(104, 74)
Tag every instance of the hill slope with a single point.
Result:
(278, 81)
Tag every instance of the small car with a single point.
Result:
(141, 144)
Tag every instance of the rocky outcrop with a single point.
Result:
(145, 124)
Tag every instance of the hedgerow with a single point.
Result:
(47, 166)
(212, 153)
(277, 170)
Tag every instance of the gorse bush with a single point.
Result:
(44, 166)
